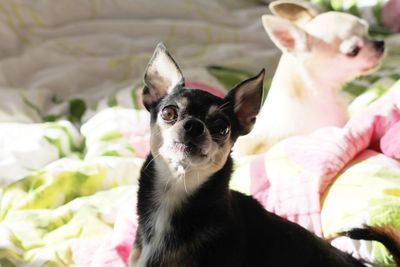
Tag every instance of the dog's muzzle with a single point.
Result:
(192, 137)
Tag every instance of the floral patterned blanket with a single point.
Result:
(73, 134)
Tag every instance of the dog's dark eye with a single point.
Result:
(169, 113)
(354, 51)
(220, 127)
(225, 131)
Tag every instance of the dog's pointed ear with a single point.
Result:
(299, 12)
(246, 98)
(162, 75)
(285, 34)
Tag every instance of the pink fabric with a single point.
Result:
(202, 86)
(111, 250)
(391, 14)
(390, 142)
(320, 157)
(125, 231)
(139, 138)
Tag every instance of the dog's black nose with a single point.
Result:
(379, 46)
(193, 128)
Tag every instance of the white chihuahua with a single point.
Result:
(320, 54)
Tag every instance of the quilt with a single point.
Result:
(73, 133)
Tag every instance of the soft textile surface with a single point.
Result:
(27, 147)
(65, 56)
(332, 175)
(46, 215)
(73, 133)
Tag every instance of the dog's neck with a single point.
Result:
(167, 206)
(175, 183)
(294, 76)
(297, 92)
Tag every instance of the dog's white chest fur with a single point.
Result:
(161, 223)
(173, 185)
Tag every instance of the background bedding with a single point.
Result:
(73, 133)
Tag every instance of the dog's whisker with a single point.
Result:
(184, 183)
(217, 138)
(238, 104)
(166, 185)
(223, 106)
(154, 157)
(156, 133)
(185, 172)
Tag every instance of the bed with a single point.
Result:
(73, 133)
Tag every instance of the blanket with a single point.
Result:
(73, 133)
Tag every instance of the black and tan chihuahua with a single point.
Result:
(188, 216)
